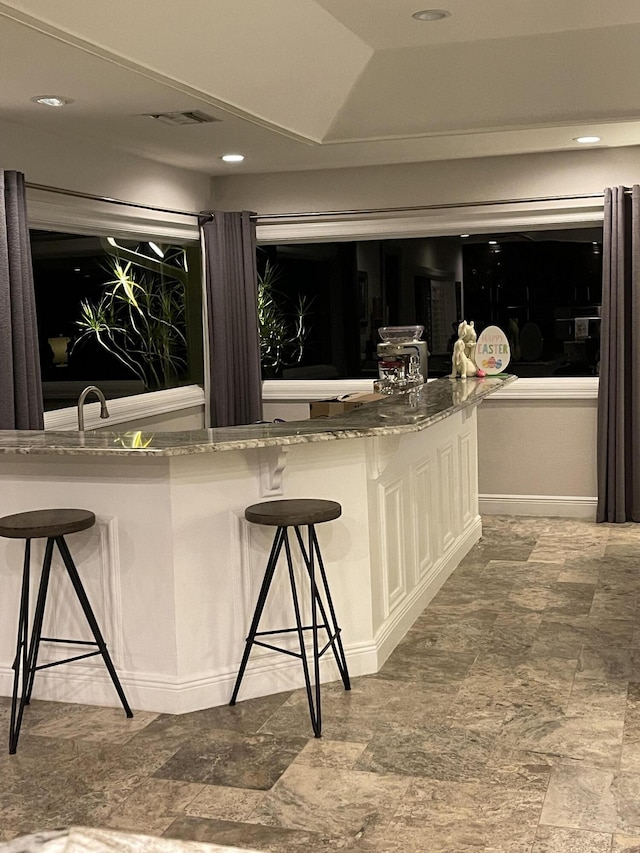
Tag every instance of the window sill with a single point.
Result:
(306, 390)
(126, 409)
(550, 388)
(303, 391)
(539, 388)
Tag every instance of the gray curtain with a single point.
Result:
(20, 385)
(231, 297)
(619, 392)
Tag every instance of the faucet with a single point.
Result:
(104, 412)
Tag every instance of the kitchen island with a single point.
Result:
(173, 569)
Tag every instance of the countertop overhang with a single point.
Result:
(394, 415)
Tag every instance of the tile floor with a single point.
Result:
(508, 719)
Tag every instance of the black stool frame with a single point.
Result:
(26, 659)
(329, 621)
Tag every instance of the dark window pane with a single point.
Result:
(542, 288)
(125, 313)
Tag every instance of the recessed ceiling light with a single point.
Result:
(464, 235)
(52, 100)
(493, 242)
(232, 158)
(585, 140)
(431, 15)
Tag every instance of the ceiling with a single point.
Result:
(311, 84)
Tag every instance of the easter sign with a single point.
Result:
(493, 352)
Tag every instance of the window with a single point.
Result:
(123, 314)
(543, 288)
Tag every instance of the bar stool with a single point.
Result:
(283, 515)
(54, 525)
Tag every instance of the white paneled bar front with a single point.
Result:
(173, 568)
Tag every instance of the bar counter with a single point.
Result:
(394, 415)
(173, 569)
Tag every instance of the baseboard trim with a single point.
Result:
(564, 506)
(266, 674)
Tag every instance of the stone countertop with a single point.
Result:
(394, 415)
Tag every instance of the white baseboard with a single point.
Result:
(565, 506)
(266, 674)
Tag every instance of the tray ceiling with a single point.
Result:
(305, 84)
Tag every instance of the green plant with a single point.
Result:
(139, 320)
(282, 335)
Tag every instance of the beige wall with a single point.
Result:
(537, 448)
(441, 182)
(87, 166)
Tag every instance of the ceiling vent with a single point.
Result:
(189, 117)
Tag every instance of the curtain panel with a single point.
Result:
(231, 294)
(20, 383)
(618, 443)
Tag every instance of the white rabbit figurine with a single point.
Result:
(464, 349)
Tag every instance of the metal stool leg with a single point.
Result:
(91, 619)
(38, 618)
(21, 660)
(338, 650)
(332, 627)
(262, 597)
(314, 631)
(314, 708)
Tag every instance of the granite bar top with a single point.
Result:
(394, 415)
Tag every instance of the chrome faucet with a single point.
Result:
(104, 412)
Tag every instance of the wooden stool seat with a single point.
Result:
(52, 525)
(293, 513)
(43, 523)
(297, 513)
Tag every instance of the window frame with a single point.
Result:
(75, 215)
(480, 219)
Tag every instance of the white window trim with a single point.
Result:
(124, 409)
(157, 403)
(531, 388)
(306, 390)
(88, 216)
(436, 223)
(549, 388)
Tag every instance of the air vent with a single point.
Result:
(189, 117)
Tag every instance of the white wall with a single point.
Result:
(86, 166)
(441, 182)
(537, 457)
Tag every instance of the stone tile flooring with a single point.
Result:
(507, 720)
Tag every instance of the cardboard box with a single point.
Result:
(338, 406)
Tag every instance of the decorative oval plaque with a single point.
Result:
(493, 352)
